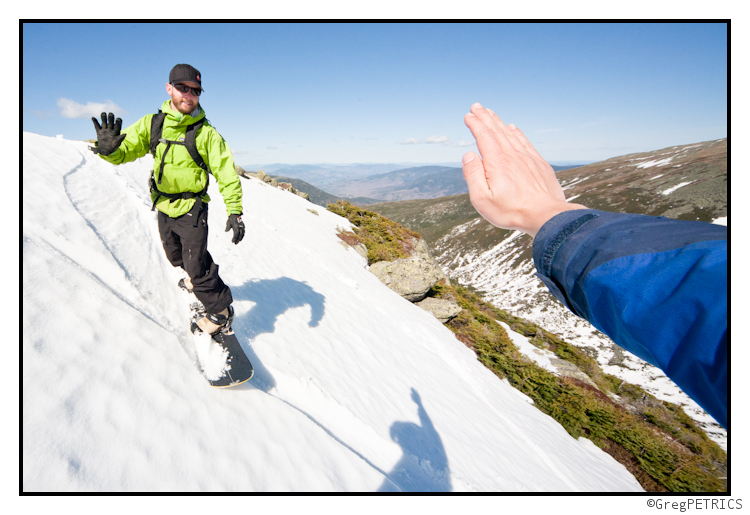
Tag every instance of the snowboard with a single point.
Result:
(236, 368)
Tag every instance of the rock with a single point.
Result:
(568, 369)
(303, 195)
(361, 249)
(260, 174)
(288, 187)
(411, 277)
(442, 309)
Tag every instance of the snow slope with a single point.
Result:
(355, 388)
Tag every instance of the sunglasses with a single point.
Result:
(182, 88)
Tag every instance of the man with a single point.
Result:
(179, 183)
(657, 287)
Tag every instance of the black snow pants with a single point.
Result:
(186, 247)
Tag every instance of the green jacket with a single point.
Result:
(180, 171)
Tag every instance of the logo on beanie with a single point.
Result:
(198, 77)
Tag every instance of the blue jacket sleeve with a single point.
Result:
(657, 287)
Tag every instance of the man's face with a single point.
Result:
(185, 103)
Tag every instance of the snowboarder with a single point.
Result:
(185, 149)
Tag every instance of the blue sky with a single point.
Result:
(391, 93)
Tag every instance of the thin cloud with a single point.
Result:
(465, 143)
(432, 140)
(72, 109)
(271, 147)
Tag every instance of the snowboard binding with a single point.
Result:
(218, 322)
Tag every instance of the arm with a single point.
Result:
(134, 145)
(657, 287)
(221, 163)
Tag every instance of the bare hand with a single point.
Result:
(512, 187)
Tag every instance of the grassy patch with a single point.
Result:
(385, 239)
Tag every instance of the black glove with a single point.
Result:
(235, 223)
(108, 134)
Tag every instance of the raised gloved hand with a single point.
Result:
(107, 134)
(235, 223)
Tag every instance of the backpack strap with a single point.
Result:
(190, 134)
(157, 124)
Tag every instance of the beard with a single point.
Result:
(183, 105)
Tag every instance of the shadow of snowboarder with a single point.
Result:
(272, 298)
(424, 465)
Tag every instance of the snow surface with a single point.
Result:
(655, 162)
(355, 388)
(674, 188)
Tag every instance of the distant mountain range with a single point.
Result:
(687, 182)
(323, 175)
(367, 184)
(411, 183)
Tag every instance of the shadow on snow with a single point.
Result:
(424, 464)
(272, 298)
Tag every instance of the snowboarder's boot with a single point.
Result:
(212, 323)
(186, 285)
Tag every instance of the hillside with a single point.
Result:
(355, 388)
(320, 197)
(687, 182)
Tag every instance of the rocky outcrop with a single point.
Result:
(399, 257)
(442, 309)
(411, 277)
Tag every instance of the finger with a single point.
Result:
(111, 121)
(487, 141)
(494, 124)
(118, 125)
(524, 141)
(475, 177)
(96, 124)
(506, 130)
